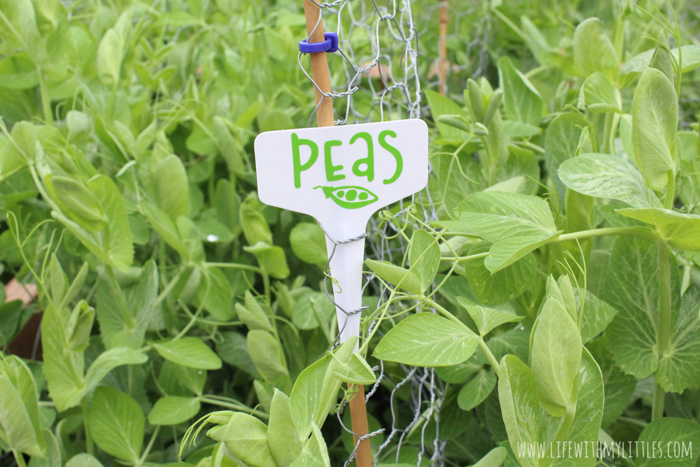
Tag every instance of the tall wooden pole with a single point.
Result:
(324, 115)
(443, 64)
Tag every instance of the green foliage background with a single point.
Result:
(562, 267)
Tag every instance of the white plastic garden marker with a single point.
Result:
(341, 176)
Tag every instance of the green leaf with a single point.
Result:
(19, 411)
(424, 258)
(679, 368)
(619, 386)
(83, 460)
(309, 243)
(459, 373)
(598, 95)
(487, 319)
(680, 230)
(593, 50)
(190, 352)
(267, 355)
(252, 314)
(562, 143)
(515, 224)
(654, 127)
(494, 458)
(172, 410)
(597, 315)
(178, 380)
(216, 295)
(607, 176)
(109, 56)
(272, 259)
(633, 289)
(522, 101)
(524, 418)
(477, 390)
(171, 189)
(233, 349)
(585, 428)
(441, 105)
(640, 62)
(356, 371)
(283, 439)
(306, 394)
(556, 357)
(114, 245)
(503, 286)
(255, 227)
(109, 360)
(426, 339)
(315, 452)
(311, 310)
(77, 202)
(400, 277)
(124, 313)
(161, 223)
(117, 424)
(670, 433)
(246, 438)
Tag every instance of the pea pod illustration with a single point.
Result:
(349, 197)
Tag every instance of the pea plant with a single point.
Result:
(547, 278)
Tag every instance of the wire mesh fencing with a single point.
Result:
(375, 77)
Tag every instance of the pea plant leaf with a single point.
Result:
(171, 189)
(640, 62)
(634, 333)
(503, 286)
(190, 352)
(117, 424)
(680, 230)
(426, 339)
(172, 410)
(283, 439)
(487, 319)
(476, 390)
(308, 243)
(267, 354)
(246, 438)
(670, 433)
(556, 357)
(598, 95)
(607, 176)
(525, 419)
(515, 224)
(19, 410)
(400, 277)
(424, 258)
(654, 127)
(522, 101)
(593, 51)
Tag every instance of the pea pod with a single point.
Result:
(349, 197)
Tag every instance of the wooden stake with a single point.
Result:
(443, 64)
(324, 115)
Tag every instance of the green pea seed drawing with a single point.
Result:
(349, 197)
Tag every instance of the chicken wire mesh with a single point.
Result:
(375, 77)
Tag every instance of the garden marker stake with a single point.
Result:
(341, 176)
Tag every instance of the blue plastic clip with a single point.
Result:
(330, 45)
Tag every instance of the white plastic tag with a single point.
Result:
(341, 176)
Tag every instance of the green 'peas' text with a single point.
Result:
(363, 167)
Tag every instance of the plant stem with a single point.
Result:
(670, 191)
(88, 439)
(664, 333)
(19, 458)
(246, 267)
(632, 231)
(489, 356)
(150, 445)
(234, 406)
(45, 101)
